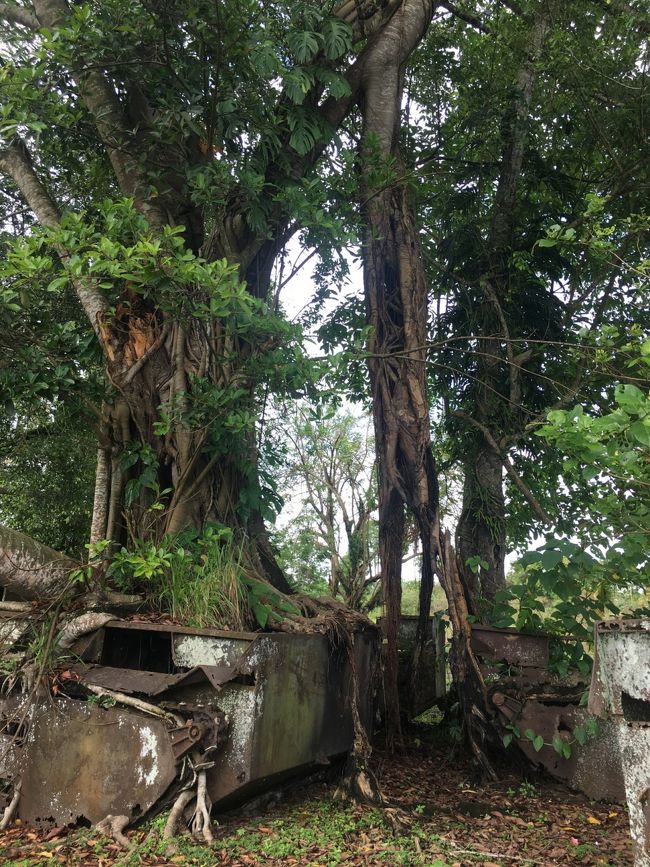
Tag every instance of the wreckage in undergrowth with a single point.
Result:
(143, 716)
(152, 713)
(541, 712)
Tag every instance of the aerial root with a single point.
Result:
(113, 826)
(176, 813)
(201, 818)
(200, 824)
(10, 809)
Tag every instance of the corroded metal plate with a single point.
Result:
(81, 760)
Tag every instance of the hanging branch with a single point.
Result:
(16, 162)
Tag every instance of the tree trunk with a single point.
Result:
(481, 527)
(164, 470)
(481, 530)
(168, 473)
(478, 716)
(396, 308)
(99, 521)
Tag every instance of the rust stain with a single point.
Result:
(530, 698)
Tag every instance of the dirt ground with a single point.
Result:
(443, 820)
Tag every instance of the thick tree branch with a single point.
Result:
(532, 500)
(15, 162)
(103, 103)
(515, 140)
(18, 15)
(467, 17)
(232, 236)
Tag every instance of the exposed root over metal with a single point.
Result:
(176, 814)
(201, 819)
(136, 703)
(114, 826)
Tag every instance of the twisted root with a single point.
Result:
(113, 826)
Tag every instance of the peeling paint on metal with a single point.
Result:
(239, 703)
(80, 759)
(635, 752)
(148, 750)
(193, 650)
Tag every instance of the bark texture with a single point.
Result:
(396, 306)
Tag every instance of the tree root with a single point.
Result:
(136, 703)
(10, 809)
(201, 819)
(200, 823)
(113, 826)
(82, 625)
(176, 814)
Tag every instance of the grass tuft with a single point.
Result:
(207, 593)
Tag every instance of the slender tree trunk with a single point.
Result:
(478, 715)
(99, 523)
(481, 529)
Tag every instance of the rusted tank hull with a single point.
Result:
(264, 706)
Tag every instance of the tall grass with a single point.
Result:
(207, 593)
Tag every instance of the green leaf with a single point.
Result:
(303, 45)
(58, 283)
(551, 559)
(640, 430)
(558, 744)
(507, 739)
(131, 492)
(261, 613)
(302, 139)
(337, 35)
(580, 734)
(297, 85)
(538, 743)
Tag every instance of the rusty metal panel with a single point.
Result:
(517, 648)
(81, 760)
(173, 628)
(287, 703)
(594, 768)
(530, 697)
(432, 684)
(294, 712)
(151, 683)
